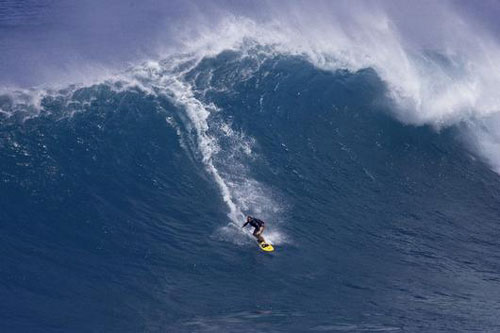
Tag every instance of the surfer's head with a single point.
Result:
(249, 218)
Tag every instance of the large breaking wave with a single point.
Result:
(124, 195)
(434, 76)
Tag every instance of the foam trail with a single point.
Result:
(198, 114)
(239, 192)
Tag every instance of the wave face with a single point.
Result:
(122, 204)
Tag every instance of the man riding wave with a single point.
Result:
(258, 225)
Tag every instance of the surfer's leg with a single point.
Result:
(257, 233)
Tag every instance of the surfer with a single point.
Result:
(258, 225)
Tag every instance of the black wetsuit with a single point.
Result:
(256, 223)
(259, 228)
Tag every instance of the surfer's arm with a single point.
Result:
(244, 225)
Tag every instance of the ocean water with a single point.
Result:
(122, 200)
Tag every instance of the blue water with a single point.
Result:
(112, 219)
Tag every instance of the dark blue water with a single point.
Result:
(112, 219)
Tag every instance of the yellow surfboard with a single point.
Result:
(266, 247)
